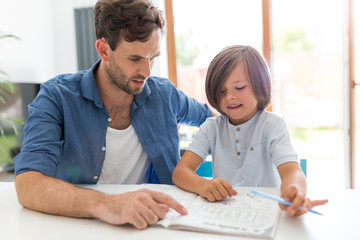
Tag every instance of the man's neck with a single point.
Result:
(116, 101)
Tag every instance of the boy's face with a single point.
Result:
(237, 99)
(130, 63)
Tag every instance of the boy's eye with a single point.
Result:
(240, 88)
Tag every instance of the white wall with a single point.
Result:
(48, 45)
(31, 58)
(65, 38)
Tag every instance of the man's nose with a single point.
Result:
(146, 69)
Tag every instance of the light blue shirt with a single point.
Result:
(249, 153)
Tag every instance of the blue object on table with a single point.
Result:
(279, 200)
(205, 169)
(303, 165)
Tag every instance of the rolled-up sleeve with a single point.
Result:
(201, 144)
(43, 138)
(280, 145)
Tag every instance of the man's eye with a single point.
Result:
(134, 59)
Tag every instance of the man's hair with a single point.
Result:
(129, 20)
(226, 61)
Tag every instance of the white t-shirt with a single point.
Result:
(125, 162)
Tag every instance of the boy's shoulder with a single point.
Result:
(214, 123)
(270, 116)
(264, 117)
(219, 119)
(269, 121)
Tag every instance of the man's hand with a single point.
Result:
(140, 208)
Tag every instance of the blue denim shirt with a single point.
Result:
(64, 135)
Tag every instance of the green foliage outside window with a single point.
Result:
(8, 125)
(295, 39)
(185, 54)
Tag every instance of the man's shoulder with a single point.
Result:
(160, 87)
(65, 80)
(159, 82)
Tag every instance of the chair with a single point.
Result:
(205, 169)
(303, 166)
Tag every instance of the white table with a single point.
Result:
(340, 221)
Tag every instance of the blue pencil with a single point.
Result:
(279, 200)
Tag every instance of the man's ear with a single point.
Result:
(103, 49)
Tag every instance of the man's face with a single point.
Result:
(131, 63)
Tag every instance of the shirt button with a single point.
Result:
(103, 149)
(237, 141)
(238, 129)
(109, 119)
(95, 177)
(251, 149)
(238, 153)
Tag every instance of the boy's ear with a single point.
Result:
(103, 49)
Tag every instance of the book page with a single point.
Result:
(244, 214)
(183, 197)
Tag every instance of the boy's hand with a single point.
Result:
(298, 198)
(217, 189)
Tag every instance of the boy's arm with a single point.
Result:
(185, 177)
(291, 174)
(294, 188)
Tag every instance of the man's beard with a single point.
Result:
(121, 80)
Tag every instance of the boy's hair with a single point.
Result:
(129, 20)
(225, 62)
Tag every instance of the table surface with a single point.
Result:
(340, 221)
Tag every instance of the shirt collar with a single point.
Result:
(89, 88)
(141, 97)
(248, 123)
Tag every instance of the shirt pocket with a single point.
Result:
(256, 160)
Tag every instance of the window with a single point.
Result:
(308, 65)
(307, 61)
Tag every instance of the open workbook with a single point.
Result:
(245, 214)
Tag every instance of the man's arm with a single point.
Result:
(45, 194)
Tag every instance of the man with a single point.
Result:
(110, 124)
